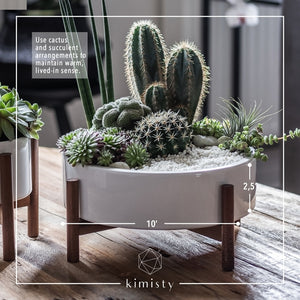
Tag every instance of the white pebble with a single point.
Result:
(194, 159)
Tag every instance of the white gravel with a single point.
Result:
(194, 159)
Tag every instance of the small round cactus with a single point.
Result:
(122, 113)
(163, 133)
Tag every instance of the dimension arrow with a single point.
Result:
(249, 209)
(249, 167)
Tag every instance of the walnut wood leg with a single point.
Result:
(227, 230)
(33, 207)
(7, 207)
(73, 217)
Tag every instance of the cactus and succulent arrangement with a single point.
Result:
(163, 114)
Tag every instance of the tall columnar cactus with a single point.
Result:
(155, 96)
(187, 80)
(122, 113)
(163, 133)
(144, 57)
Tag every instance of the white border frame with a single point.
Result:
(283, 155)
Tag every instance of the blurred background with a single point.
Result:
(245, 56)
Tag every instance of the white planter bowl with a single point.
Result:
(110, 195)
(23, 154)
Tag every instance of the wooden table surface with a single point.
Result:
(264, 268)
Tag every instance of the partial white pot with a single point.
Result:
(110, 195)
(21, 154)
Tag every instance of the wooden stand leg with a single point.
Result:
(73, 217)
(7, 207)
(33, 208)
(227, 230)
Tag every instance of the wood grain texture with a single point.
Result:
(6, 189)
(73, 217)
(33, 207)
(227, 198)
(111, 256)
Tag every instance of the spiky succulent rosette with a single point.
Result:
(103, 147)
(82, 147)
(163, 133)
(136, 155)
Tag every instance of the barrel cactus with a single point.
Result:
(122, 113)
(163, 133)
(187, 80)
(155, 96)
(144, 57)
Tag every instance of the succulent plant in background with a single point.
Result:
(16, 112)
(122, 113)
(163, 133)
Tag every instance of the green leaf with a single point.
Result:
(24, 131)
(109, 73)
(82, 83)
(8, 129)
(7, 97)
(98, 56)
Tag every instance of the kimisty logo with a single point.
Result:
(150, 262)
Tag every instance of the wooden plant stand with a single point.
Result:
(7, 204)
(75, 231)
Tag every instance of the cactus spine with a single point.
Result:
(144, 57)
(155, 96)
(163, 133)
(187, 80)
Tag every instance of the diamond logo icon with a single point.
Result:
(150, 261)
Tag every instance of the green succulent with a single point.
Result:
(250, 142)
(208, 127)
(64, 140)
(236, 117)
(87, 147)
(83, 147)
(136, 155)
(122, 113)
(105, 158)
(18, 112)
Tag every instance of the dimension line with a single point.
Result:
(167, 223)
(249, 201)
(64, 223)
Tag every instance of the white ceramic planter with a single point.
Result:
(110, 195)
(23, 155)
